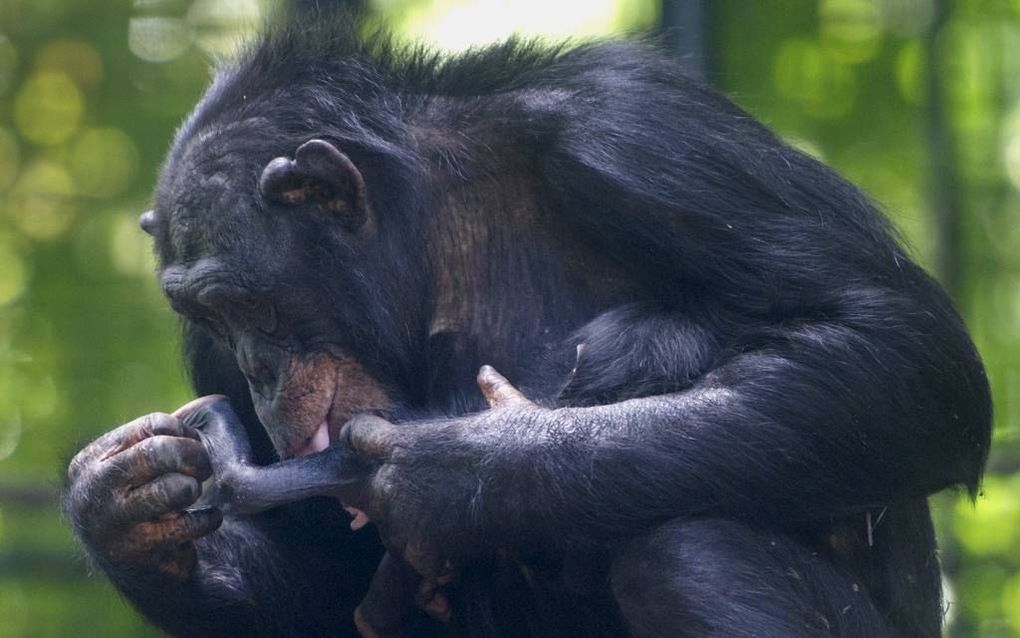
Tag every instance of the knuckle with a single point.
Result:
(371, 435)
(159, 448)
(347, 435)
(77, 466)
(174, 491)
(144, 450)
(146, 423)
(160, 491)
(203, 521)
(192, 459)
(158, 422)
(187, 488)
(79, 504)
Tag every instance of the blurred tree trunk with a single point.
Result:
(684, 30)
(944, 189)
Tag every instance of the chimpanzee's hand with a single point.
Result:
(420, 496)
(128, 490)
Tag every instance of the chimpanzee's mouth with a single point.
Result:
(321, 436)
(317, 442)
(324, 392)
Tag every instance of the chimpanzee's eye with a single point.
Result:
(251, 312)
(240, 307)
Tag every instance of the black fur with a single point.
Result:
(768, 391)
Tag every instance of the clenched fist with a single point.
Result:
(129, 492)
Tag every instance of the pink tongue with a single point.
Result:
(317, 443)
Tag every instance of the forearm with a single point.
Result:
(843, 419)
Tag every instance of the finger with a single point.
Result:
(222, 432)
(126, 436)
(179, 528)
(167, 493)
(499, 392)
(360, 518)
(154, 457)
(365, 630)
(433, 602)
(438, 607)
(370, 436)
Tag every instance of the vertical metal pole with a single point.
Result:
(944, 184)
(685, 31)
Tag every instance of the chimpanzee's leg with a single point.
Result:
(712, 577)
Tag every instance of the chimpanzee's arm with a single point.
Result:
(883, 402)
(131, 499)
(297, 570)
(841, 378)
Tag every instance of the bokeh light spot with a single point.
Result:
(992, 527)
(131, 249)
(40, 203)
(218, 24)
(10, 436)
(850, 29)
(1011, 603)
(78, 59)
(807, 73)
(13, 271)
(158, 39)
(8, 159)
(909, 18)
(40, 398)
(910, 77)
(103, 162)
(1011, 147)
(48, 108)
(8, 63)
(455, 26)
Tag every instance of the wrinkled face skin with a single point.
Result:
(241, 236)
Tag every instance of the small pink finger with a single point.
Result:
(360, 518)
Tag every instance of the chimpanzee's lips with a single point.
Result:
(317, 442)
(321, 437)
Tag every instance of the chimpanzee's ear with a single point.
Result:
(320, 175)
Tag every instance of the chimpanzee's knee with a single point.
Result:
(714, 577)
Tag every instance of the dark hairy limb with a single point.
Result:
(134, 497)
(240, 487)
(128, 490)
(795, 401)
(669, 582)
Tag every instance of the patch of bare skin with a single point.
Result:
(323, 388)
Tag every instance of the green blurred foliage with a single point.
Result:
(90, 94)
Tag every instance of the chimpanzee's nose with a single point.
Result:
(261, 365)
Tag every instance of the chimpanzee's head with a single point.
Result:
(268, 235)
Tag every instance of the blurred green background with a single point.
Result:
(918, 101)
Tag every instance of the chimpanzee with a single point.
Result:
(736, 390)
